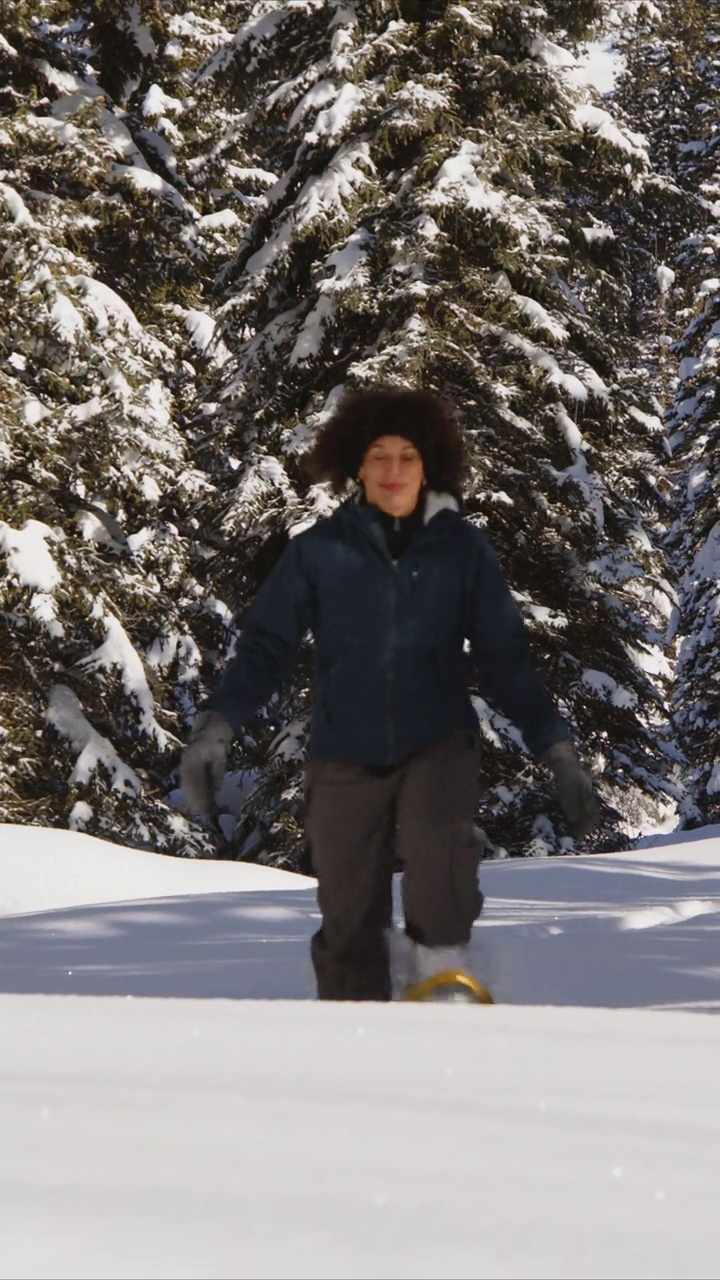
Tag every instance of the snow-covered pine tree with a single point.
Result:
(104, 259)
(443, 214)
(675, 68)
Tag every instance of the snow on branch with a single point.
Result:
(333, 120)
(264, 480)
(31, 563)
(349, 266)
(600, 122)
(118, 651)
(67, 717)
(202, 329)
(19, 211)
(259, 29)
(568, 383)
(460, 182)
(106, 304)
(29, 559)
(323, 196)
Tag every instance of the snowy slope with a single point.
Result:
(630, 930)
(41, 870)
(174, 1136)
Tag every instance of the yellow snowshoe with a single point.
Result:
(451, 986)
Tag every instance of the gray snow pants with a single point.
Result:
(360, 823)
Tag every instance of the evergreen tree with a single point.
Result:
(103, 622)
(443, 216)
(676, 71)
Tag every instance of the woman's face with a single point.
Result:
(392, 475)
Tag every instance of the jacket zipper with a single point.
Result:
(391, 651)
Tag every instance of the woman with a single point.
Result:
(392, 585)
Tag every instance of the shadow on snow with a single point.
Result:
(585, 932)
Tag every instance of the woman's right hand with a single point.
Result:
(204, 760)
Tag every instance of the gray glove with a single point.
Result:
(204, 760)
(575, 788)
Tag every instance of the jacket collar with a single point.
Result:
(367, 519)
(435, 502)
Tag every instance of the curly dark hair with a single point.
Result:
(423, 417)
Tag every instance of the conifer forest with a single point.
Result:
(214, 218)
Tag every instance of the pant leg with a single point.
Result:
(349, 821)
(437, 803)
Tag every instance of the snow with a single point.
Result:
(599, 121)
(255, 32)
(688, 368)
(242, 173)
(309, 342)
(66, 318)
(544, 360)
(598, 64)
(62, 129)
(479, 27)
(203, 333)
(222, 220)
(650, 420)
(28, 557)
(173, 1105)
(105, 304)
(706, 563)
(713, 782)
(327, 192)
(414, 101)
(333, 121)
(67, 83)
(33, 410)
(540, 318)
(118, 136)
(145, 180)
(599, 233)
(66, 715)
(118, 651)
(457, 179)
(19, 211)
(318, 96)
(570, 430)
(53, 869)
(550, 53)
(323, 196)
(30, 562)
(77, 95)
(181, 649)
(156, 102)
(349, 270)
(604, 685)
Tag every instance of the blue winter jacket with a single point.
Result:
(391, 668)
